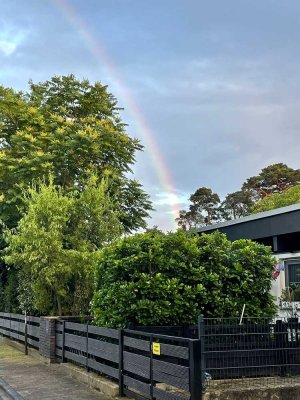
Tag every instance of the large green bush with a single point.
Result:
(170, 279)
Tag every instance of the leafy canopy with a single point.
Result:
(66, 127)
(276, 200)
(275, 178)
(170, 279)
(203, 209)
(205, 206)
(55, 245)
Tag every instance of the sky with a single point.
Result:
(211, 88)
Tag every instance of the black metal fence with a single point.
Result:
(23, 329)
(157, 363)
(256, 348)
(146, 365)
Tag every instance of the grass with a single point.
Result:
(8, 352)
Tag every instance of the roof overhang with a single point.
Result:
(281, 221)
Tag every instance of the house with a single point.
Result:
(280, 229)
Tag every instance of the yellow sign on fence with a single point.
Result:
(156, 349)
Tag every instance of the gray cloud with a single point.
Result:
(218, 82)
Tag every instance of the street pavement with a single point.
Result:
(34, 380)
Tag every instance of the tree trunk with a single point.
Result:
(59, 305)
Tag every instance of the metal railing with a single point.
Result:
(257, 351)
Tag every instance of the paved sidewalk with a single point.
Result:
(35, 380)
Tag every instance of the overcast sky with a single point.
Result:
(217, 83)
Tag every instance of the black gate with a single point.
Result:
(161, 367)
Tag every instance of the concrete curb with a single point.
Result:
(10, 391)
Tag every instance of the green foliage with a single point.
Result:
(291, 294)
(8, 292)
(169, 279)
(276, 200)
(203, 209)
(205, 201)
(55, 245)
(67, 127)
(236, 205)
(275, 178)
(189, 220)
(272, 181)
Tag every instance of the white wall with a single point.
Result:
(279, 284)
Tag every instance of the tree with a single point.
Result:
(236, 205)
(67, 127)
(56, 243)
(204, 201)
(277, 200)
(188, 220)
(205, 208)
(170, 279)
(275, 178)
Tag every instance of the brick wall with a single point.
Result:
(47, 337)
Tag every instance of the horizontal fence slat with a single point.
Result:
(160, 394)
(17, 326)
(136, 364)
(32, 342)
(58, 352)
(171, 369)
(17, 336)
(140, 387)
(104, 369)
(174, 351)
(75, 357)
(33, 330)
(137, 343)
(74, 326)
(180, 383)
(107, 332)
(75, 342)
(105, 350)
(19, 317)
(33, 319)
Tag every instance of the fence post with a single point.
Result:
(87, 347)
(201, 334)
(121, 357)
(281, 336)
(25, 335)
(63, 342)
(151, 367)
(195, 369)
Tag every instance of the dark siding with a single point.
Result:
(263, 228)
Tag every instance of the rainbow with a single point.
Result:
(98, 50)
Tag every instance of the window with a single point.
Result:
(292, 278)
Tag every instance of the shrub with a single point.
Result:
(170, 279)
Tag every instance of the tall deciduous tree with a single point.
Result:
(55, 245)
(66, 127)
